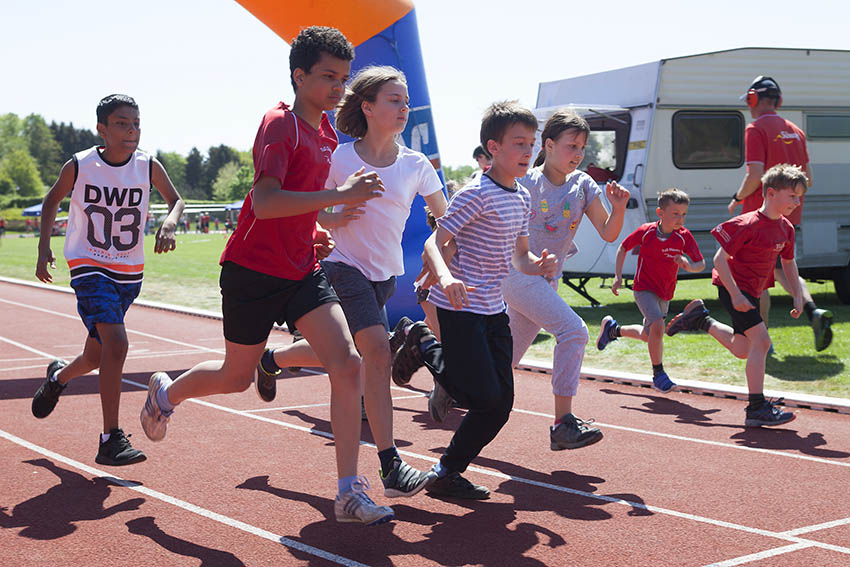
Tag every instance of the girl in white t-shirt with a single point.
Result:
(561, 195)
(367, 257)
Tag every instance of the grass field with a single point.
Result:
(189, 276)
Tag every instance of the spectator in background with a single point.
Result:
(484, 162)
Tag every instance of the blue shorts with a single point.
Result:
(101, 300)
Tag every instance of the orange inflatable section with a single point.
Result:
(357, 19)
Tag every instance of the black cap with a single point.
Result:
(762, 84)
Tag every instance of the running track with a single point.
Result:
(676, 481)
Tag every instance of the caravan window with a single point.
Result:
(708, 140)
(832, 126)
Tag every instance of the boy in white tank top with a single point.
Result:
(109, 187)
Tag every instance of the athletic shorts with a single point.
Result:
(652, 307)
(742, 321)
(101, 300)
(362, 300)
(252, 302)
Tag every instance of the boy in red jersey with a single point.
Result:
(269, 268)
(743, 265)
(663, 245)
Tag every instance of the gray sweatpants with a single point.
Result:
(534, 303)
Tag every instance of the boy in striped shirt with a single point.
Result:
(488, 219)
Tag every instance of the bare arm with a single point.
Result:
(455, 289)
(749, 185)
(49, 208)
(165, 238)
(436, 202)
(689, 266)
(524, 261)
(609, 225)
(618, 270)
(721, 263)
(789, 268)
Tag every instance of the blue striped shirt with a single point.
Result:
(485, 218)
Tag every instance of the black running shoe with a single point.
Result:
(768, 414)
(689, 319)
(296, 336)
(117, 451)
(48, 393)
(408, 359)
(455, 486)
(822, 327)
(404, 480)
(397, 336)
(265, 382)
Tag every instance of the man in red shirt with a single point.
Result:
(770, 140)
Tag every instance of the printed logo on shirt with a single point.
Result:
(544, 205)
(786, 137)
(723, 234)
(327, 152)
(566, 211)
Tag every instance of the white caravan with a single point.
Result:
(679, 123)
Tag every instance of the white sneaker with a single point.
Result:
(355, 506)
(154, 421)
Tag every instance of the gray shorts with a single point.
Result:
(652, 307)
(362, 300)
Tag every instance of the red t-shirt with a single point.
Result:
(289, 149)
(656, 269)
(753, 241)
(771, 140)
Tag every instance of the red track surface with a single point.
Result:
(676, 481)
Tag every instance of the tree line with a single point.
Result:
(32, 153)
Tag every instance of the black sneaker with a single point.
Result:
(404, 480)
(822, 327)
(767, 414)
(408, 359)
(265, 383)
(397, 337)
(689, 319)
(296, 336)
(439, 403)
(47, 396)
(117, 451)
(573, 433)
(455, 486)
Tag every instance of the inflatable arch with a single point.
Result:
(384, 32)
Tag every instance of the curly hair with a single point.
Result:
(308, 46)
(350, 119)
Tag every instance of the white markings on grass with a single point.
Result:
(188, 506)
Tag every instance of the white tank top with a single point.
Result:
(109, 205)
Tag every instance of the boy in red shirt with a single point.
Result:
(743, 265)
(663, 245)
(269, 268)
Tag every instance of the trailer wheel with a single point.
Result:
(842, 284)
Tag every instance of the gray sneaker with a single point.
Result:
(355, 506)
(154, 420)
(439, 403)
(573, 433)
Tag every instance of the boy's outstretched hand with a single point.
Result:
(45, 260)
(615, 287)
(361, 187)
(323, 243)
(165, 238)
(548, 264)
(617, 195)
(798, 306)
(682, 262)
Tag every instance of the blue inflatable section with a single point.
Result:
(398, 45)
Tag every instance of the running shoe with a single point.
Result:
(154, 420)
(439, 403)
(47, 396)
(117, 451)
(768, 414)
(397, 336)
(265, 381)
(688, 319)
(822, 327)
(356, 506)
(453, 485)
(662, 383)
(573, 433)
(605, 330)
(404, 480)
(408, 359)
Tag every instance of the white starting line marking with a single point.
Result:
(189, 507)
(761, 555)
(818, 527)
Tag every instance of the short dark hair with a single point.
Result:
(479, 151)
(674, 196)
(500, 116)
(784, 176)
(308, 46)
(109, 104)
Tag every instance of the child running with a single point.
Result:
(110, 190)
(749, 246)
(269, 271)
(488, 220)
(663, 245)
(368, 255)
(561, 195)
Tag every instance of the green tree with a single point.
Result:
(460, 173)
(73, 140)
(193, 172)
(217, 157)
(175, 166)
(233, 182)
(44, 149)
(11, 139)
(19, 167)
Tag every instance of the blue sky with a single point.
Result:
(205, 76)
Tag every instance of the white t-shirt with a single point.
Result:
(372, 243)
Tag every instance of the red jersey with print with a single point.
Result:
(291, 150)
(771, 140)
(754, 241)
(656, 269)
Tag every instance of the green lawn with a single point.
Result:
(189, 276)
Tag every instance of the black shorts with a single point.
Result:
(252, 302)
(742, 321)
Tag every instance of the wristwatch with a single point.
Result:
(735, 197)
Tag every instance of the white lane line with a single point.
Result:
(760, 555)
(25, 347)
(189, 507)
(818, 527)
(326, 404)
